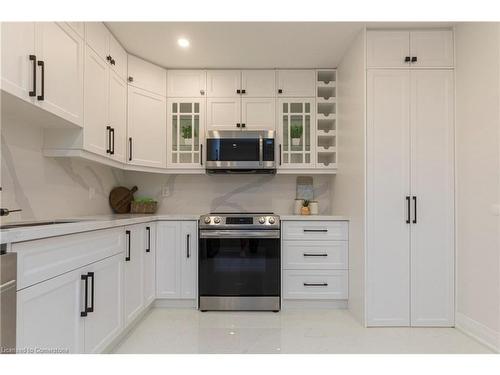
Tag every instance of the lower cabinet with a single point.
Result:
(177, 259)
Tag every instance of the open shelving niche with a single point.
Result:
(326, 118)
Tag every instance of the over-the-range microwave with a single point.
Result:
(236, 152)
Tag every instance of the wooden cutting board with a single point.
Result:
(120, 198)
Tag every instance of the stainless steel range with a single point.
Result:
(239, 261)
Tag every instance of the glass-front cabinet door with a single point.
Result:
(296, 133)
(185, 133)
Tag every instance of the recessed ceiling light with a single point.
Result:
(183, 42)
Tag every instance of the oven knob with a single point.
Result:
(271, 220)
(262, 220)
(207, 220)
(217, 220)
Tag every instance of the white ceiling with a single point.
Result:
(241, 44)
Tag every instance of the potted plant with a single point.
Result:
(187, 135)
(143, 206)
(296, 134)
(305, 208)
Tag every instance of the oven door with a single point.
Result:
(234, 263)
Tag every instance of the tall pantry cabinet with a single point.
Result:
(410, 188)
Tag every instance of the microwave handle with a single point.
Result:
(261, 151)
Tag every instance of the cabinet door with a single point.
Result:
(133, 288)
(48, 314)
(78, 27)
(296, 134)
(96, 104)
(432, 183)
(147, 128)
(146, 76)
(223, 114)
(189, 259)
(432, 48)
(223, 83)
(296, 83)
(118, 115)
(186, 83)
(387, 49)
(388, 185)
(97, 37)
(258, 83)
(149, 263)
(104, 323)
(61, 50)
(168, 264)
(185, 132)
(18, 38)
(258, 113)
(118, 55)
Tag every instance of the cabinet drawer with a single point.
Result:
(318, 255)
(315, 230)
(43, 259)
(302, 284)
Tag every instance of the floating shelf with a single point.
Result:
(323, 133)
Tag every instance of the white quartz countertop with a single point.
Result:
(89, 223)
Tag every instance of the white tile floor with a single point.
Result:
(291, 331)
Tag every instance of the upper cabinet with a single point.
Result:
(414, 49)
(146, 76)
(223, 83)
(241, 83)
(186, 83)
(296, 83)
(258, 83)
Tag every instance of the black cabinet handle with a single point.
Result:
(112, 61)
(108, 130)
(130, 149)
(243, 91)
(315, 230)
(188, 247)
(315, 254)
(127, 253)
(238, 125)
(130, 79)
(108, 58)
(243, 125)
(86, 296)
(33, 92)
(315, 284)
(91, 276)
(238, 91)
(201, 153)
(407, 59)
(280, 91)
(148, 249)
(414, 210)
(414, 59)
(408, 209)
(280, 153)
(112, 132)
(41, 64)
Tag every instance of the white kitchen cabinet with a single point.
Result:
(133, 280)
(105, 321)
(258, 83)
(146, 76)
(258, 113)
(18, 43)
(185, 133)
(119, 58)
(78, 27)
(224, 113)
(147, 128)
(176, 260)
(49, 314)
(414, 49)
(296, 133)
(60, 59)
(315, 285)
(189, 259)
(117, 116)
(223, 83)
(149, 263)
(296, 83)
(410, 272)
(186, 83)
(96, 98)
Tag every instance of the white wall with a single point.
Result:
(478, 180)
(348, 186)
(46, 187)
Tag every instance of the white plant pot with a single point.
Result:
(295, 141)
(188, 141)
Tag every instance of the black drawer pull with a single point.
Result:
(408, 209)
(33, 92)
(42, 65)
(148, 249)
(127, 253)
(280, 154)
(108, 130)
(315, 284)
(414, 210)
(188, 249)
(316, 230)
(90, 275)
(112, 132)
(315, 254)
(414, 59)
(201, 153)
(86, 296)
(130, 149)
(407, 59)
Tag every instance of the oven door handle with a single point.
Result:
(239, 234)
(261, 151)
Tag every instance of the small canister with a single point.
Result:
(297, 206)
(314, 207)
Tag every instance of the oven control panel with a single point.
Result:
(234, 221)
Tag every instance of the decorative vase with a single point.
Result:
(188, 141)
(295, 141)
(305, 211)
(314, 207)
(297, 206)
